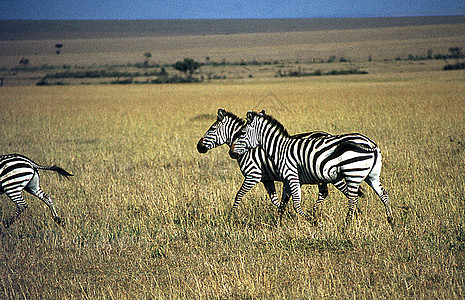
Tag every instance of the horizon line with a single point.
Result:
(219, 19)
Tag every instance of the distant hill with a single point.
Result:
(37, 30)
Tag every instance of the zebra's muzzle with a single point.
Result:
(200, 147)
(233, 154)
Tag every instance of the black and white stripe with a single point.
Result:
(352, 158)
(18, 173)
(254, 164)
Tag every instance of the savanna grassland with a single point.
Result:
(227, 49)
(149, 217)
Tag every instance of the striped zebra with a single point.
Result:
(352, 158)
(253, 163)
(18, 173)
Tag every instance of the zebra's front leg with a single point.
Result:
(271, 189)
(296, 192)
(247, 185)
(285, 199)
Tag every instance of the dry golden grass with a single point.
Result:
(149, 217)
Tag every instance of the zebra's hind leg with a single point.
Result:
(383, 196)
(295, 190)
(373, 181)
(21, 206)
(342, 186)
(322, 194)
(352, 204)
(352, 193)
(34, 189)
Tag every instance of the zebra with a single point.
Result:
(18, 173)
(352, 158)
(254, 164)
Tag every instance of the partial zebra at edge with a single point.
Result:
(18, 173)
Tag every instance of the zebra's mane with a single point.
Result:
(273, 122)
(235, 118)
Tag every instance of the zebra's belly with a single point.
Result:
(328, 174)
(270, 176)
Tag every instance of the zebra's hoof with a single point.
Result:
(6, 223)
(59, 221)
(391, 221)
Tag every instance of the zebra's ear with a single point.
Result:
(249, 117)
(221, 114)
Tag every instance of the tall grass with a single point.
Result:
(149, 217)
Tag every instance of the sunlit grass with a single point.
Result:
(148, 216)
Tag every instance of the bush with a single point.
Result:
(457, 66)
(331, 59)
(319, 73)
(188, 66)
(123, 81)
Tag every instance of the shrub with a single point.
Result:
(457, 66)
(188, 66)
(319, 73)
(123, 81)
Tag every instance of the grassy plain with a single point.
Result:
(149, 217)
(375, 45)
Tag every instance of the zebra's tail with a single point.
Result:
(57, 169)
(60, 171)
(361, 192)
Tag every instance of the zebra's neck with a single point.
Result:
(233, 129)
(272, 141)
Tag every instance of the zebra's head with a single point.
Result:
(246, 138)
(220, 132)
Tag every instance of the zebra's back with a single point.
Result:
(324, 159)
(255, 161)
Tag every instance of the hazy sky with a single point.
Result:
(221, 9)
